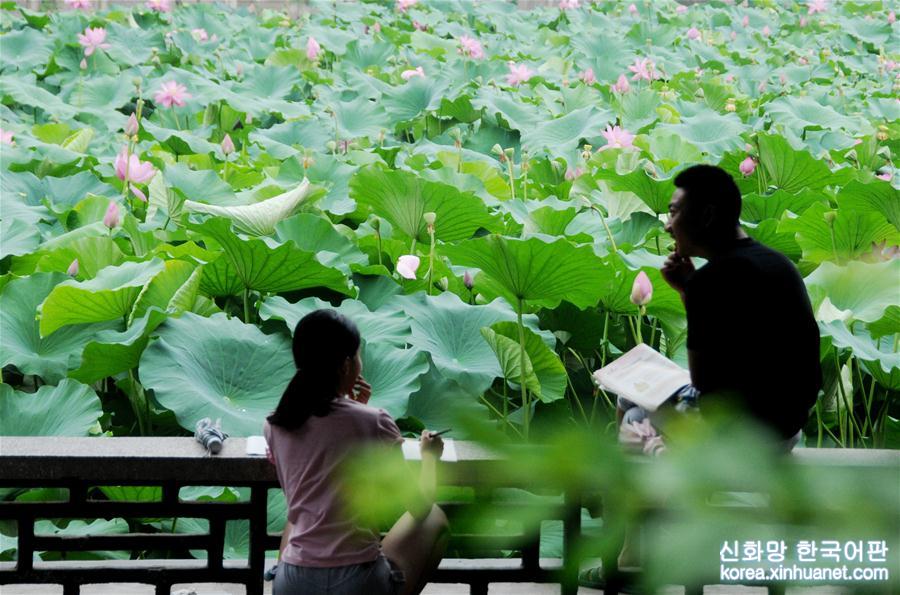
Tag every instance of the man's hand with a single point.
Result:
(431, 444)
(677, 270)
(362, 391)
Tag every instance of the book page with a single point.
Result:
(643, 376)
(411, 450)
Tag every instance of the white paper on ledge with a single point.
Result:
(256, 446)
(411, 450)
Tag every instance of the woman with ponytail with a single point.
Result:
(322, 416)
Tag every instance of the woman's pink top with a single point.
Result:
(306, 461)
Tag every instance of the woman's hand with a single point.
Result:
(362, 391)
(431, 444)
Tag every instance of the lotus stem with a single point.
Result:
(606, 227)
(378, 244)
(524, 391)
(246, 306)
(430, 259)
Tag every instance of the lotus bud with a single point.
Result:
(443, 283)
(227, 145)
(136, 81)
(497, 149)
(111, 218)
(829, 217)
(131, 126)
(331, 146)
(747, 166)
(467, 280)
(429, 217)
(407, 265)
(73, 268)
(641, 290)
(376, 224)
(83, 64)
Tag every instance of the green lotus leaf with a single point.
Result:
(449, 330)
(182, 141)
(804, 112)
(848, 236)
(67, 409)
(199, 186)
(440, 402)
(563, 135)
(546, 365)
(863, 347)
(509, 355)
(23, 346)
(502, 109)
(712, 133)
(217, 367)
(756, 208)
(19, 237)
(866, 290)
(406, 102)
(25, 91)
(108, 296)
(26, 48)
(327, 171)
(394, 375)
(877, 196)
(173, 290)
(390, 327)
(767, 232)
(533, 271)
(888, 324)
(670, 149)
(403, 198)
(73, 189)
(638, 110)
(110, 352)
(317, 234)
(359, 118)
(789, 169)
(101, 95)
(77, 528)
(654, 192)
(260, 218)
(280, 140)
(255, 265)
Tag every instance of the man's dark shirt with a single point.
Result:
(751, 323)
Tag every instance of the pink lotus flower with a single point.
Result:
(131, 169)
(733, 35)
(761, 87)
(518, 74)
(886, 176)
(643, 69)
(171, 93)
(729, 78)
(467, 280)
(73, 268)
(587, 77)
(471, 47)
(92, 39)
(407, 265)
(571, 174)
(78, 4)
(892, 17)
(312, 48)
(693, 33)
(632, 9)
(160, 5)
(766, 31)
(616, 138)
(782, 79)
(621, 85)
(403, 5)
(6, 137)
(408, 74)
(815, 6)
(746, 20)
(569, 4)
(137, 192)
(747, 166)
(227, 145)
(111, 218)
(131, 126)
(641, 290)
(200, 34)
(680, 9)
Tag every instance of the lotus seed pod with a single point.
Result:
(443, 283)
(497, 149)
(429, 217)
(331, 146)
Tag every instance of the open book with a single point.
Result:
(643, 376)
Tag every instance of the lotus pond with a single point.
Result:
(465, 180)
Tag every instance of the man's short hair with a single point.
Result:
(710, 186)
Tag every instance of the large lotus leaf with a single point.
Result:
(878, 196)
(562, 135)
(327, 171)
(888, 324)
(513, 364)
(638, 110)
(767, 232)
(712, 133)
(848, 236)
(866, 290)
(255, 265)
(25, 91)
(19, 237)
(805, 112)
(315, 233)
(23, 346)
(279, 140)
(403, 198)
(532, 270)
(394, 375)
(260, 218)
(756, 208)
(111, 352)
(374, 327)
(669, 149)
(71, 190)
(182, 141)
(68, 409)
(101, 95)
(547, 368)
(503, 109)
(440, 403)
(359, 118)
(655, 192)
(862, 346)
(26, 48)
(789, 169)
(449, 330)
(406, 102)
(217, 367)
(173, 290)
(198, 186)
(108, 296)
